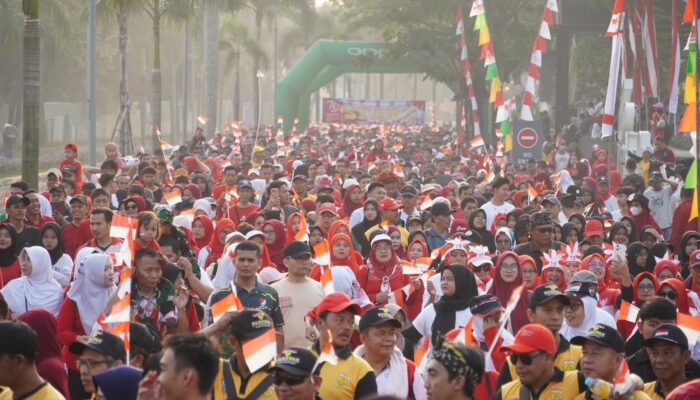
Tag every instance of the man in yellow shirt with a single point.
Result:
(18, 365)
(668, 352)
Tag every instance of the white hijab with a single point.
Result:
(45, 206)
(39, 289)
(565, 180)
(591, 315)
(204, 205)
(88, 291)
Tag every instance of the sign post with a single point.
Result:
(528, 138)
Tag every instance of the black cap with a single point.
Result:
(244, 183)
(101, 342)
(668, 333)
(300, 176)
(574, 190)
(409, 190)
(603, 179)
(545, 293)
(296, 361)
(377, 316)
(17, 338)
(484, 305)
(250, 323)
(440, 208)
(297, 249)
(472, 236)
(16, 198)
(144, 337)
(58, 188)
(79, 198)
(581, 289)
(603, 335)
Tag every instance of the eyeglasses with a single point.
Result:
(131, 208)
(646, 288)
(90, 364)
(525, 359)
(509, 267)
(479, 268)
(596, 265)
(269, 233)
(574, 307)
(669, 294)
(290, 380)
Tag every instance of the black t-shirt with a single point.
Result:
(30, 236)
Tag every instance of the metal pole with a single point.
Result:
(274, 61)
(92, 86)
(185, 73)
(697, 124)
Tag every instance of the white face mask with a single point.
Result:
(636, 210)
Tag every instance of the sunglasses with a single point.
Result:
(290, 380)
(479, 268)
(669, 294)
(525, 359)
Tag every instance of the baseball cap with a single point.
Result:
(441, 209)
(101, 342)
(327, 207)
(324, 182)
(270, 275)
(244, 183)
(603, 335)
(296, 361)
(17, 338)
(389, 204)
(532, 337)
(82, 199)
(58, 188)
(544, 294)
(56, 172)
(164, 214)
(694, 258)
(380, 237)
(581, 289)
(603, 180)
(337, 302)
(249, 323)
(378, 316)
(409, 191)
(593, 228)
(143, 337)
(585, 276)
(296, 249)
(15, 199)
(668, 333)
(655, 177)
(299, 176)
(484, 305)
(552, 199)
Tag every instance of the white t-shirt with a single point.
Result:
(296, 299)
(660, 205)
(424, 325)
(492, 210)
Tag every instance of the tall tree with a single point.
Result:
(211, 64)
(32, 93)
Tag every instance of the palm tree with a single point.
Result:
(211, 63)
(32, 93)
(261, 10)
(235, 41)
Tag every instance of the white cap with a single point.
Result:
(253, 234)
(350, 181)
(270, 275)
(233, 235)
(296, 164)
(381, 237)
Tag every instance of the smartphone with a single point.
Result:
(58, 207)
(274, 192)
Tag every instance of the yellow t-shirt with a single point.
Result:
(650, 390)
(566, 359)
(44, 392)
(243, 387)
(5, 393)
(563, 386)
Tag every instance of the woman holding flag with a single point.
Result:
(506, 280)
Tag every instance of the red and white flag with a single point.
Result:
(202, 120)
(260, 351)
(689, 325)
(229, 303)
(477, 141)
(628, 312)
(531, 193)
(327, 353)
(121, 310)
(303, 233)
(322, 255)
(122, 226)
(649, 44)
(173, 198)
(327, 281)
(616, 31)
(675, 60)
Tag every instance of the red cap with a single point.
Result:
(327, 207)
(337, 302)
(324, 182)
(532, 337)
(389, 204)
(71, 146)
(593, 228)
(694, 258)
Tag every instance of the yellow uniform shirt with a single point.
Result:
(653, 390)
(563, 386)
(566, 359)
(351, 378)
(43, 392)
(243, 387)
(637, 395)
(5, 393)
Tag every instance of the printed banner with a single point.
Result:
(370, 112)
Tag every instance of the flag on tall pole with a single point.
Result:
(649, 45)
(675, 60)
(616, 31)
(466, 74)
(689, 120)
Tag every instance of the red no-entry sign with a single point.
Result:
(527, 138)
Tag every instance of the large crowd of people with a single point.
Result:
(386, 262)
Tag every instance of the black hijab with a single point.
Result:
(9, 255)
(581, 219)
(56, 253)
(487, 238)
(633, 234)
(566, 229)
(684, 258)
(633, 251)
(447, 306)
(657, 250)
(522, 226)
(358, 231)
(613, 231)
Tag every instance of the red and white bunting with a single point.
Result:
(466, 73)
(675, 60)
(616, 31)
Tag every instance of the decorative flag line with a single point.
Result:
(616, 31)
(675, 60)
(466, 74)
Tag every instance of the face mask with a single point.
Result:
(636, 210)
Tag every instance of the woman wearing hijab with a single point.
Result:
(340, 249)
(569, 233)
(417, 249)
(214, 250)
(607, 294)
(667, 269)
(351, 201)
(62, 264)
(618, 234)
(528, 269)
(85, 301)
(118, 383)
(454, 252)
(36, 288)
(631, 227)
(507, 278)
(202, 229)
(505, 240)
(657, 252)
(191, 191)
(202, 207)
(341, 226)
(9, 262)
(674, 290)
(522, 232)
(477, 223)
(49, 363)
(581, 313)
(383, 275)
(395, 235)
(451, 311)
(294, 222)
(637, 254)
(689, 243)
(579, 222)
(276, 241)
(371, 218)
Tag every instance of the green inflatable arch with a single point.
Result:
(325, 61)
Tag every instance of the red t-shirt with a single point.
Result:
(10, 272)
(68, 328)
(236, 213)
(43, 219)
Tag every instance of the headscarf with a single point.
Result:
(633, 223)
(194, 189)
(401, 251)
(447, 306)
(521, 228)
(337, 224)
(57, 252)
(582, 220)
(119, 383)
(565, 180)
(44, 324)
(638, 279)
(39, 289)
(140, 203)
(591, 316)
(525, 259)
(289, 234)
(350, 261)
(208, 230)
(679, 287)
(584, 266)
(378, 270)
(632, 253)
(88, 291)
(672, 266)
(276, 249)
(657, 250)
(348, 205)
(613, 231)
(216, 248)
(423, 246)
(9, 255)
(566, 229)
(204, 205)
(191, 164)
(358, 231)
(506, 231)
(684, 258)
(504, 290)
(487, 238)
(518, 198)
